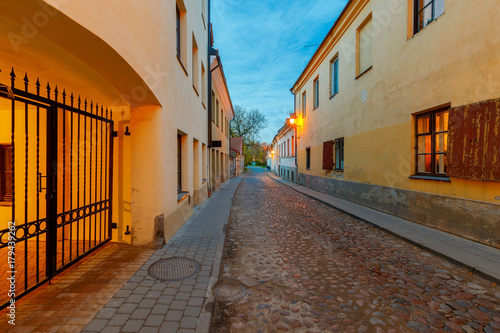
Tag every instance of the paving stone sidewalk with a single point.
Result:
(478, 258)
(145, 304)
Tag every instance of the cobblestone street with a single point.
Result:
(309, 267)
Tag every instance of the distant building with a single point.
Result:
(400, 111)
(222, 113)
(237, 165)
(284, 144)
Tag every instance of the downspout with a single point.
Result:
(296, 132)
(209, 101)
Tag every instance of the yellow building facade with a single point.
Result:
(221, 115)
(398, 110)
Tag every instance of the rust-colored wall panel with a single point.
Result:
(474, 141)
(492, 147)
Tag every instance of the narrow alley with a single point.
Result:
(310, 267)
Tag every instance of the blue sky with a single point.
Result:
(264, 48)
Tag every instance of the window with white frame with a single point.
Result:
(426, 11)
(334, 73)
(316, 92)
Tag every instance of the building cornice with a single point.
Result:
(346, 18)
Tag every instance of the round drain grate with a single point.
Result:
(229, 290)
(173, 269)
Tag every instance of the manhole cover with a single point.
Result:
(173, 269)
(229, 290)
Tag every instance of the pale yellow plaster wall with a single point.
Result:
(434, 67)
(146, 40)
(143, 38)
(220, 132)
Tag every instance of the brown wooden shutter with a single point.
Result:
(474, 141)
(328, 155)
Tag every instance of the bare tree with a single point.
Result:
(247, 123)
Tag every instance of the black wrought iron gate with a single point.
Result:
(56, 183)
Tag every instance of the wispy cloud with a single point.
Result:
(264, 48)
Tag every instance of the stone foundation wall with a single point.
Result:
(288, 173)
(475, 220)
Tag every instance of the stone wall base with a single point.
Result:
(288, 173)
(474, 220)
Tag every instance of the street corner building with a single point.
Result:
(105, 127)
(399, 110)
(283, 157)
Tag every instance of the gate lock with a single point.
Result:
(39, 183)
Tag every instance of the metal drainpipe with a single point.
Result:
(209, 102)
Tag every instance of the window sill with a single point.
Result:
(367, 70)
(435, 178)
(6, 204)
(182, 65)
(203, 104)
(203, 181)
(316, 107)
(334, 95)
(196, 91)
(181, 196)
(338, 170)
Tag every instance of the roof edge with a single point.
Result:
(341, 15)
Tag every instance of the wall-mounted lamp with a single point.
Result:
(128, 231)
(295, 122)
(126, 131)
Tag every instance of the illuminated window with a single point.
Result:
(432, 143)
(5, 173)
(427, 11)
